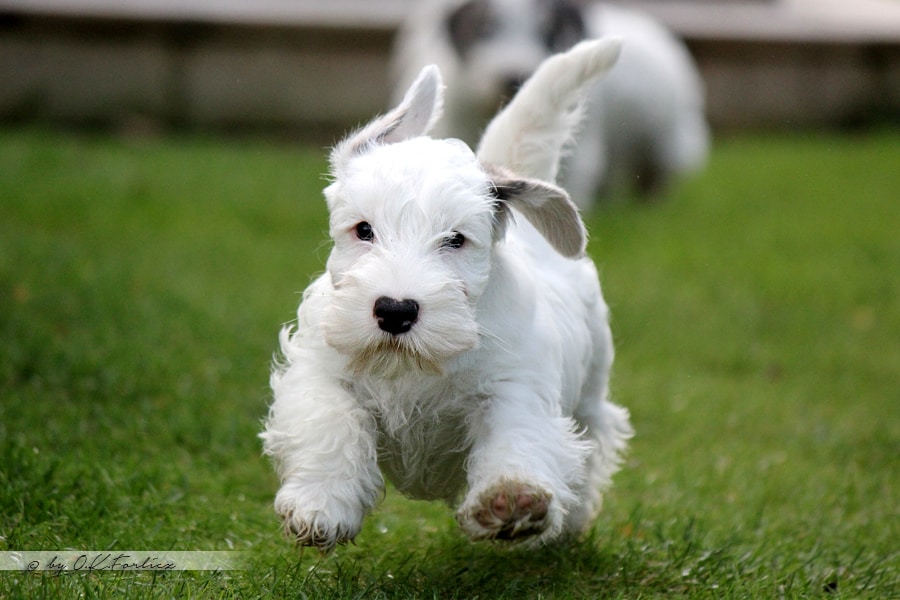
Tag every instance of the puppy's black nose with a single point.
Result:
(510, 86)
(396, 316)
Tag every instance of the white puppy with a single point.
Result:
(645, 121)
(458, 339)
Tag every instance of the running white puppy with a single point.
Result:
(458, 339)
(645, 123)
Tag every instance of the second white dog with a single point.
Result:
(458, 341)
(645, 122)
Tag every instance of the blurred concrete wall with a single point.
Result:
(318, 67)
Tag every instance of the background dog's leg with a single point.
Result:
(323, 445)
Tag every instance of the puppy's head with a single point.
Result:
(499, 43)
(415, 223)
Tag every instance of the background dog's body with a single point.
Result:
(459, 339)
(645, 121)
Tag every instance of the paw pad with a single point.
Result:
(507, 511)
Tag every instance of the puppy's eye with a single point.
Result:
(454, 242)
(364, 231)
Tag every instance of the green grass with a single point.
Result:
(756, 315)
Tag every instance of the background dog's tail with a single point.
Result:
(529, 134)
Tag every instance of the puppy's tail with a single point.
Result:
(529, 134)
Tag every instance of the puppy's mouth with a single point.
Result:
(391, 357)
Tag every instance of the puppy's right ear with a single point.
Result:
(545, 205)
(414, 116)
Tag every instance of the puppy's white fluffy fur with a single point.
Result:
(645, 121)
(493, 393)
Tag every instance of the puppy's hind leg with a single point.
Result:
(607, 429)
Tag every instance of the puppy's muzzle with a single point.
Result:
(396, 316)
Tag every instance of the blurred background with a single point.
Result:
(313, 68)
(144, 278)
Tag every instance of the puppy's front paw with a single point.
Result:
(323, 529)
(508, 510)
(313, 530)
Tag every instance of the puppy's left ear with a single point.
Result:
(546, 206)
(414, 116)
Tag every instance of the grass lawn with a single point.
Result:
(757, 322)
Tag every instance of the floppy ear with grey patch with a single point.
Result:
(546, 206)
(414, 116)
